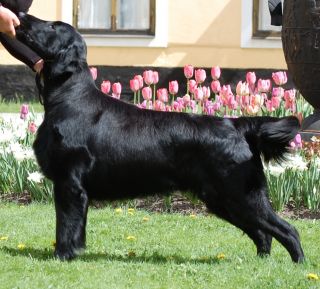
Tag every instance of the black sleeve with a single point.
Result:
(17, 5)
(20, 51)
(275, 8)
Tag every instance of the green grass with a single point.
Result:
(170, 251)
(14, 107)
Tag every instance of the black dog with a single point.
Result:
(96, 147)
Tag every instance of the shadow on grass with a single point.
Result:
(155, 258)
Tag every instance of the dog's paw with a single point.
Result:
(65, 255)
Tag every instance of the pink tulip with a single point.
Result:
(225, 93)
(148, 77)
(297, 142)
(232, 103)
(162, 94)
(200, 75)
(209, 107)
(146, 104)
(24, 110)
(269, 105)
(193, 106)
(215, 72)
(215, 86)
(251, 78)
(280, 77)
(198, 94)
(32, 127)
(173, 87)
(252, 109)
(243, 100)
(206, 92)
(159, 105)
(168, 108)
(105, 86)
(176, 106)
(290, 100)
(147, 93)
(116, 89)
(290, 95)
(275, 101)
(140, 79)
(192, 85)
(186, 99)
(134, 85)
(264, 85)
(94, 72)
(257, 99)
(155, 77)
(242, 88)
(278, 92)
(188, 71)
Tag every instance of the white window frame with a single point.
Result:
(160, 39)
(247, 39)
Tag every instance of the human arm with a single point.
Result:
(8, 21)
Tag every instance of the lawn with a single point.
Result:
(145, 250)
(14, 107)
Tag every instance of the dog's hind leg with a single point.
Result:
(285, 233)
(260, 216)
(71, 203)
(261, 239)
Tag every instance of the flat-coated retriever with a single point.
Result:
(96, 147)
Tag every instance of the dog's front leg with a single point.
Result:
(71, 203)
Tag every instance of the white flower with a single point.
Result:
(35, 177)
(294, 162)
(6, 135)
(275, 170)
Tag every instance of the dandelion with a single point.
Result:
(4, 238)
(312, 276)
(145, 219)
(131, 238)
(118, 210)
(193, 216)
(130, 211)
(221, 256)
(21, 246)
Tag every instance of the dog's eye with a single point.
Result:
(52, 27)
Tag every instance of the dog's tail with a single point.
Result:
(268, 135)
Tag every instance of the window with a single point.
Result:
(115, 16)
(103, 25)
(261, 21)
(256, 31)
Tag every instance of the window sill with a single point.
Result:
(125, 40)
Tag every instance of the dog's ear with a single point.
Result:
(68, 60)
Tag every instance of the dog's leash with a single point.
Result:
(39, 84)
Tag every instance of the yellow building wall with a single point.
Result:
(201, 32)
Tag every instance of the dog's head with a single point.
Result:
(60, 46)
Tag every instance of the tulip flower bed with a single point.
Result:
(294, 181)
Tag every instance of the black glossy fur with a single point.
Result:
(96, 147)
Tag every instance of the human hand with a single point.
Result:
(38, 66)
(8, 22)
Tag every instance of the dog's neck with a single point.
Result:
(53, 88)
